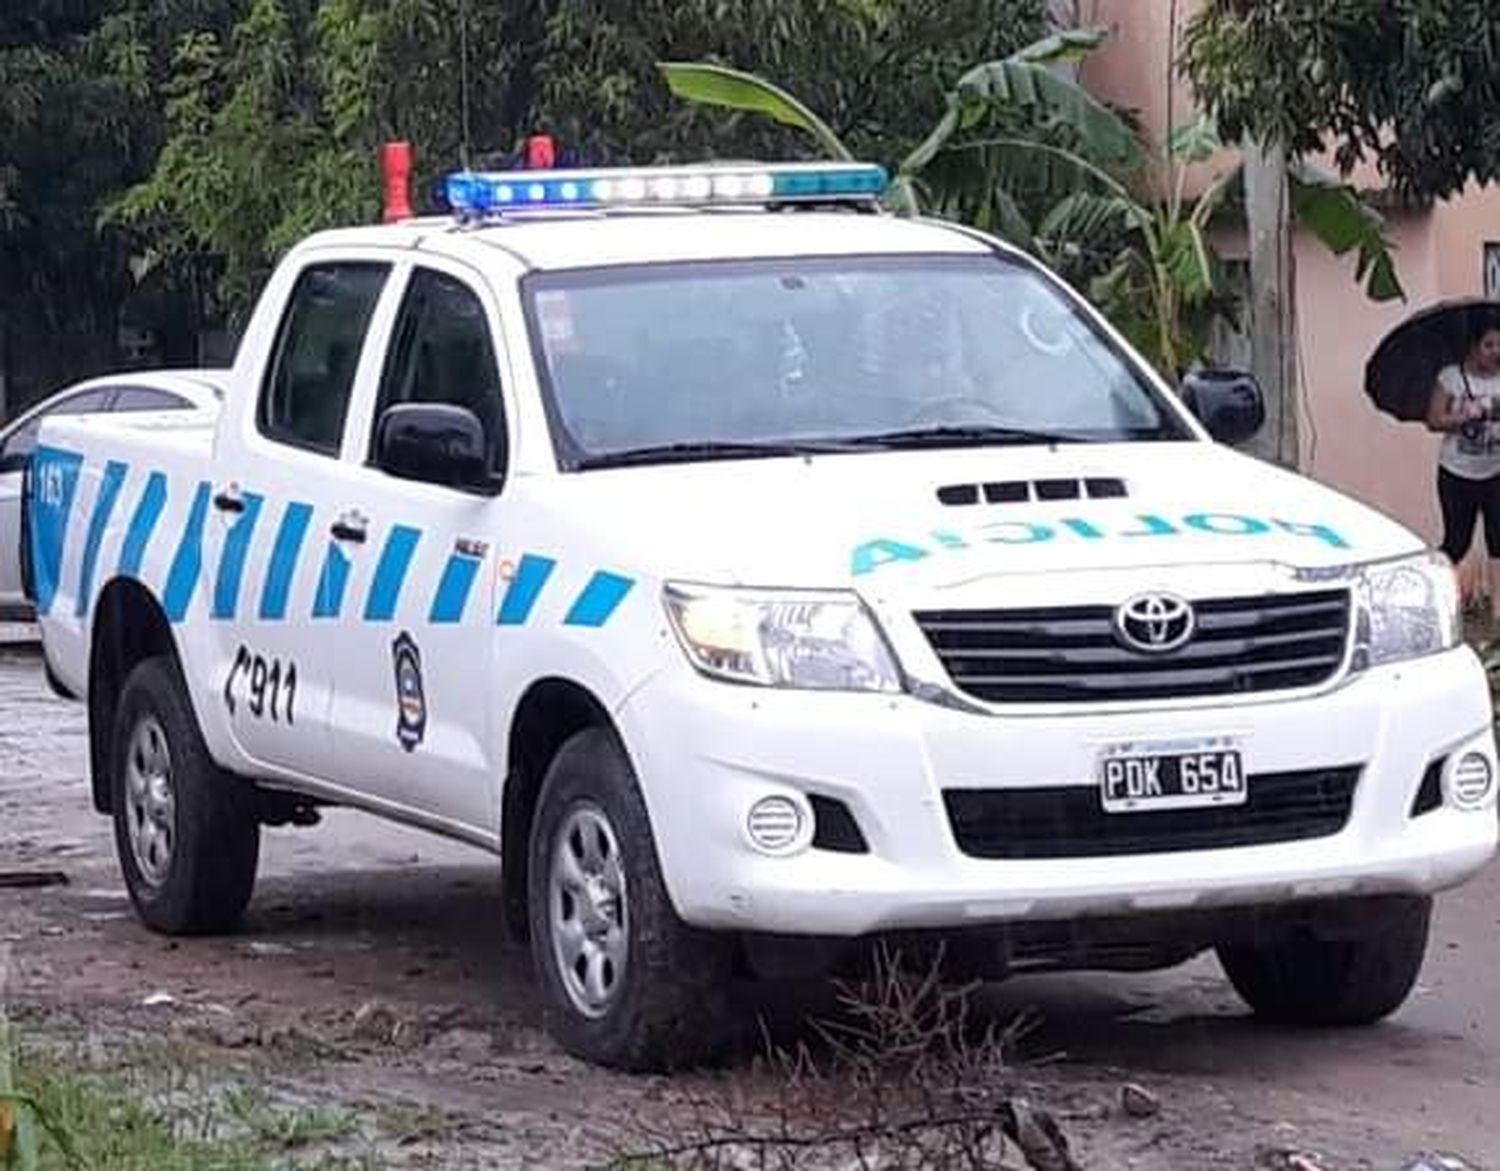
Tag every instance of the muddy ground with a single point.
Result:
(373, 976)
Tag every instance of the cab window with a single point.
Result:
(306, 393)
(441, 352)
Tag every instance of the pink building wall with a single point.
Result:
(1346, 442)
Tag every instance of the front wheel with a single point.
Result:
(1352, 979)
(626, 983)
(185, 831)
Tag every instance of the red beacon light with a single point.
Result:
(541, 153)
(395, 168)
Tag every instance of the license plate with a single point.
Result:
(1138, 778)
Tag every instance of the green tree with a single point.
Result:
(881, 70)
(65, 137)
(79, 122)
(1412, 84)
(262, 129)
(272, 127)
(272, 112)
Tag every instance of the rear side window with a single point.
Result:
(87, 403)
(306, 393)
(146, 398)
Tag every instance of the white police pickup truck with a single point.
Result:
(756, 574)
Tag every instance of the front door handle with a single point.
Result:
(350, 527)
(230, 500)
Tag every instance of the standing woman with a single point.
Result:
(1464, 403)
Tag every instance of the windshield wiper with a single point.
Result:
(707, 449)
(965, 435)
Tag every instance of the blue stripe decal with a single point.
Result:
(143, 524)
(104, 507)
(232, 559)
(599, 599)
(329, 599)
(453, 590)
(390, 573)
(284, 554)
(54, 483)
(182, 578)
(525, 586)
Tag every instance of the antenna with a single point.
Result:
(463, 81)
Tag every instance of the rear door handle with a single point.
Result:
(230, 500)
(350, 527)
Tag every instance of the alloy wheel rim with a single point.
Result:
(150, 801)
(587, 910)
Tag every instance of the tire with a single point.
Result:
(185, 831)
(1355, 979)
(659, 994)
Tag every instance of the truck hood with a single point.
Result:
(918, 522)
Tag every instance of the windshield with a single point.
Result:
(734, 359)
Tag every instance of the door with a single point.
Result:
(275, 596)
(412, 699)
(15, 452)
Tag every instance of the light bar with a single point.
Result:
(481, 193)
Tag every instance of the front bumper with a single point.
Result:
(706, 751)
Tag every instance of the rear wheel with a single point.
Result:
(1354, 978)
(625, 981)
(186, 832)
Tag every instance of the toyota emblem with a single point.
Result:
(1154, 624)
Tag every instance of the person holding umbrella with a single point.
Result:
(1465, 407)
(1441, 367)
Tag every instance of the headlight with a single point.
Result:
(821, 640)
(1404, 609)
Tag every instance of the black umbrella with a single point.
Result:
(1400, 377)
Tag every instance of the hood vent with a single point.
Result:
(1024, 491)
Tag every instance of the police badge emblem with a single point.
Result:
(411, 699)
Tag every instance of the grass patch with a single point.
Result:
(172, 1116)
(288, 1128)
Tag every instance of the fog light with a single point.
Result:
(776, 824)
(1471, 782)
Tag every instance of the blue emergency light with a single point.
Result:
(473, 194)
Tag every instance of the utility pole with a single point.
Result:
(1273, 300)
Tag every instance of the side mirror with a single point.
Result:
(1227, 402)
(433, 442)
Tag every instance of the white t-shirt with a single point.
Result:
(1474, 452)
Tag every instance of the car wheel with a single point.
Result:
(626, 983)
(1354, 979)
(185, 831)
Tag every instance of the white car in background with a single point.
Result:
(176, 390)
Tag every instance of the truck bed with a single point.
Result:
(124, 494)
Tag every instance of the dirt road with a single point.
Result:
(373, 973)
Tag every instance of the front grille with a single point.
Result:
(1070, 822)
(1069, 654)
